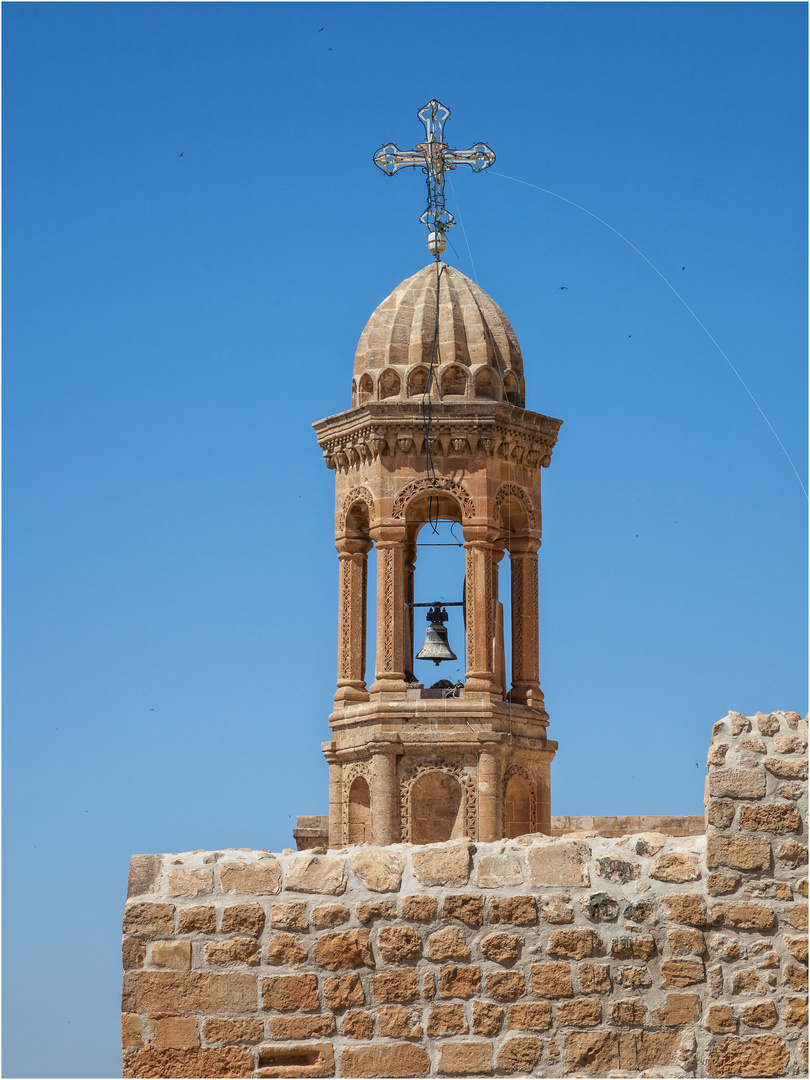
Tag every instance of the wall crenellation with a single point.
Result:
(580, 955)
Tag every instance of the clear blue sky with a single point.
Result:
(173, 325)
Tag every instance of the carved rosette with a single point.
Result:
(454, 767)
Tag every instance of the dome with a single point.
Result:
(477, 354)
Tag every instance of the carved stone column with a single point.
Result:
(490, 783)
(390, 669)
(353, 563)
(384, 794)
(410, 568)
(335, 795)
(525, 625)
(480, 610)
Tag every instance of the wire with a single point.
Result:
(464, 231)
(426, 412)
(675, 291)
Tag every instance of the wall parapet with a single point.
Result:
(581, 955)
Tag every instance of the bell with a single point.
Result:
(436, 647)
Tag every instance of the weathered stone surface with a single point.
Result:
(795, 977)
(720, 814)
(487, 1018)
(770, 817)
(302, 1027)
(398, 943)
(371, 910)
(448, 944)
(594, 978)
(552, 980)
(169, 993)
(682, 972)
(628, 1013)
(599, 907)
(197, 920)
(720, 1019)
(235, 950)
(556, 908)
(744, 916)
(148, 918)
(497, 871)
(312, 1060)
(632, 978)
(243, 919)
(133, 952)
(560, 863)
(519, 910)
(506, 985)
(357, 1025)
(287, 993)
(419, 908)
(576, 943)
(175, 1031)
(677, 1010)
(378, 869)
(649, 843)
(443, 865)
(186, 882)
(675, 867)
(211, 1062)
(633, 947)
(583, 1012)
(768, 723)
(289, 915)
(619, 870)
(786, 769)
(640, 911)
(640, 1050)
(535, 1016)
(399, 1022)
(317, 874)
(393, 1059)
(790, 744)
(219, 1029)
(463, 982)
(792, 854)
(465, 1059)
(341, 992)
(797, 947)
(747, 982)
(762, 1055)
(794, 1012)
(686, 941)
(760, 1014)
(395, 986)
(446, 1020)
(285, 949)
(519, 1054)
(688, 908)
(466, 908)
(144, 871)
(722, 884)
(349, 949)
(736, 783)
(737, 852)
(260, 879)
(502, 948)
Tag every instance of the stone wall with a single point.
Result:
(643, 954)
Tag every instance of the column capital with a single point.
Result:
(480, 534)
(352, 545)
(528, 544)
(385, 534)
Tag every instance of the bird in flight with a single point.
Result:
(322, 28)
(179, 155)
(683, 268)
(563, 288)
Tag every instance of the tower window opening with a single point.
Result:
(439, 576)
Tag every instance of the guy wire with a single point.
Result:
(678, 295)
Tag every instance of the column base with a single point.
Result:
(351, 692)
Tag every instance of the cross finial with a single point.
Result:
(435, 159)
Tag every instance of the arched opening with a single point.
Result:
(437, 811)
(365, 389)
(511, 388)
(389, 384)
(359, 818)
(486, 384)
(454, 382)
(517, 807)
(417, 382)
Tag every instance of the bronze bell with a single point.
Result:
(436, 647)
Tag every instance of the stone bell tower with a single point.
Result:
(437, 428)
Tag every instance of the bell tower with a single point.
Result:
(437, 431)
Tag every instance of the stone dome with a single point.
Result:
(477, 354)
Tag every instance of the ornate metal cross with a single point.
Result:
(435, 159)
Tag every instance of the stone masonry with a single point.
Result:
(585, 955)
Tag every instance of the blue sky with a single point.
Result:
(174, 324)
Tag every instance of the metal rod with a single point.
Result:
(440, 603)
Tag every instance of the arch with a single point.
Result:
(441, 487)
(514, 509)
(358, 510)
(511, 388)
(358, 817)
(487, 384)
(517, 807)
(454, 381)
(365, 388)
(417, 382)
(389, 384)
(437, 811)
(464, 814)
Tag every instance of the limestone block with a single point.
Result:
(144, 872)
(370, 910)
(341, 992)
(191, 1062)
(289, 915)
(760, 1014)
(792, 854)
(392, 1059)
(133, 952)
(168, 993)
(317, 874)
(487, 1018)
(199, 920)
(594, 978)
(235, 950)
(327, 915)
(467, 908)
(463, 982)
(219, 1029)
(506, 985)
(677, 1010)
(287, 993)
(628, 1013)
(502, 948)
(682, 972)
(395, 986)
(535, 1016)
(465, 1059)
(302, 1027)
(737, 783)
(443, 865)
(285, 949)
(188, 882)
(148, 918)
(762, 1055)
(519, 910)
(519, 1054)
(738, 852)
(446, 1020)
(560, 863)
(787, 770)
(675, 866)
(448, 944)
(419, 908)
(357, 1025)
(379, 870)
(398, 943)
(744, 916)
(583, 1012)
(770, 818)
(720, 1019)
(349, 949)
(576, 943)
(497, 871)
(619, 870)
(556, 908)
(552, 980)
(261, 879)
(243, 919)
(399, 1022)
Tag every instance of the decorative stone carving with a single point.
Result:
(442, 483)
(506, 491)
(357, 494)
(416, 768)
